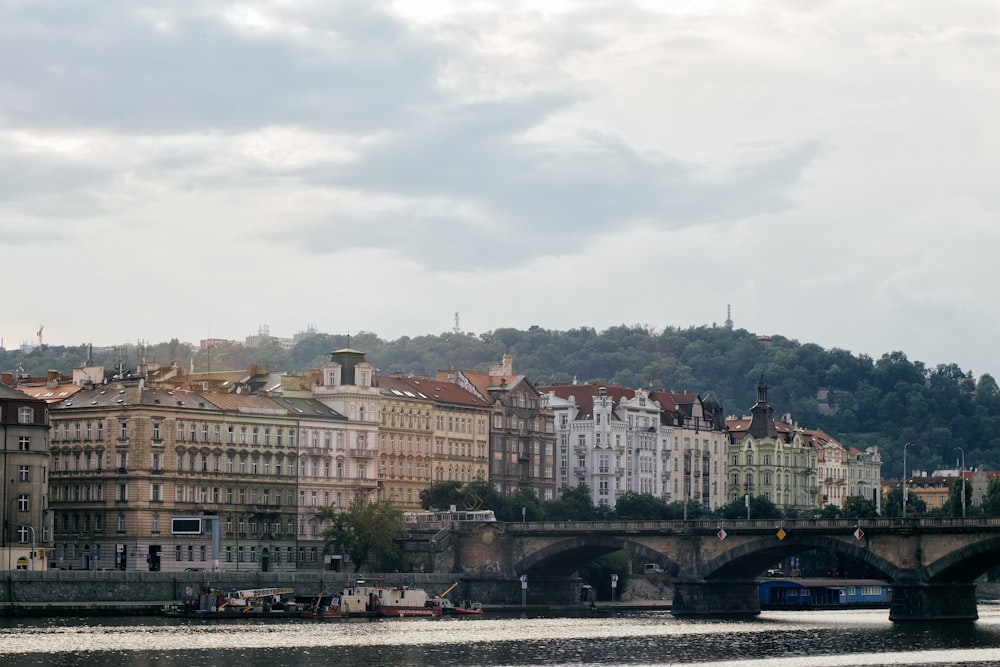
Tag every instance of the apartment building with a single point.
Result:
(128, 460)
(694, 447)
(772, 459)
(25, 535)
(521, 428)
(407, 419)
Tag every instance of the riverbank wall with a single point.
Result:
(62, 592)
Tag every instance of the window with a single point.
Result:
(154, 493)
(24, 443)
(121, 522)
(157, 462)
(24, 473)
(25, 415)
(23, 503)
(123, 430)
(156, 430)
(156, 523)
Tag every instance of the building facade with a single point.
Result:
(771, 459)
(617, 440)
(406, 439)
(26, 531)
(520, 429)
(127, 461)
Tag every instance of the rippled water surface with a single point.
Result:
(783, 639)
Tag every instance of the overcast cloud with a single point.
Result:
(198, 170)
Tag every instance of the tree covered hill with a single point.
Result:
(862, 401)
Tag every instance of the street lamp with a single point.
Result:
(33, 552)
(684, 483)
(962, 477)
(904, 477)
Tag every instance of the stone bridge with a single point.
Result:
(930, 564)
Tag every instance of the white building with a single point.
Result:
(618, 440)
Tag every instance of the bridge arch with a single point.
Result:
(965, 564)
(754, 557)
(565, 557)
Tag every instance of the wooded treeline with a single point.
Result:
(860, 400)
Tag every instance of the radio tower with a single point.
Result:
(729, 316)
(456, 329)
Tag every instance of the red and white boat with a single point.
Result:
(367, 599)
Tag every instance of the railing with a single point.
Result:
(878, 524)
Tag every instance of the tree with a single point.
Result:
(892, 504)
(991, 501)
(442, 495)
(632, 506)
(953, 506)
(573, 505)
(859, 507)
(366, 530)
(830, 512)
(760, 508)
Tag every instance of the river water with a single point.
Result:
(774, 639)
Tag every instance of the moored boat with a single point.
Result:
(366, 598)
(326, 606)
(208, 603)
(468, 609)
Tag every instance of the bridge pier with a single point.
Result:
(914, 601)
(717, 598)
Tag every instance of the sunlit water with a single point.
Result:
(781, 639)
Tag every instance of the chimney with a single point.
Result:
(7, 379)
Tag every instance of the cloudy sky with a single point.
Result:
(199, 169)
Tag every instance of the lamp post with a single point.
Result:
(33, 552)
(747, 497)
(904, 477)
(962, 477)
(684, 483)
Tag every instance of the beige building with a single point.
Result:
(26, 533)
(129, 461)
(406, 441)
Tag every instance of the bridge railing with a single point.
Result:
(876, 524)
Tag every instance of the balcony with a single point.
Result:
(362, 453)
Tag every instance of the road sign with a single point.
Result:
(722, 534)
(614, 581)
(858, 533)
(781, 534)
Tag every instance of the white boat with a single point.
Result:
(367, 598)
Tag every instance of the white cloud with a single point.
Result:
(828, 169)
